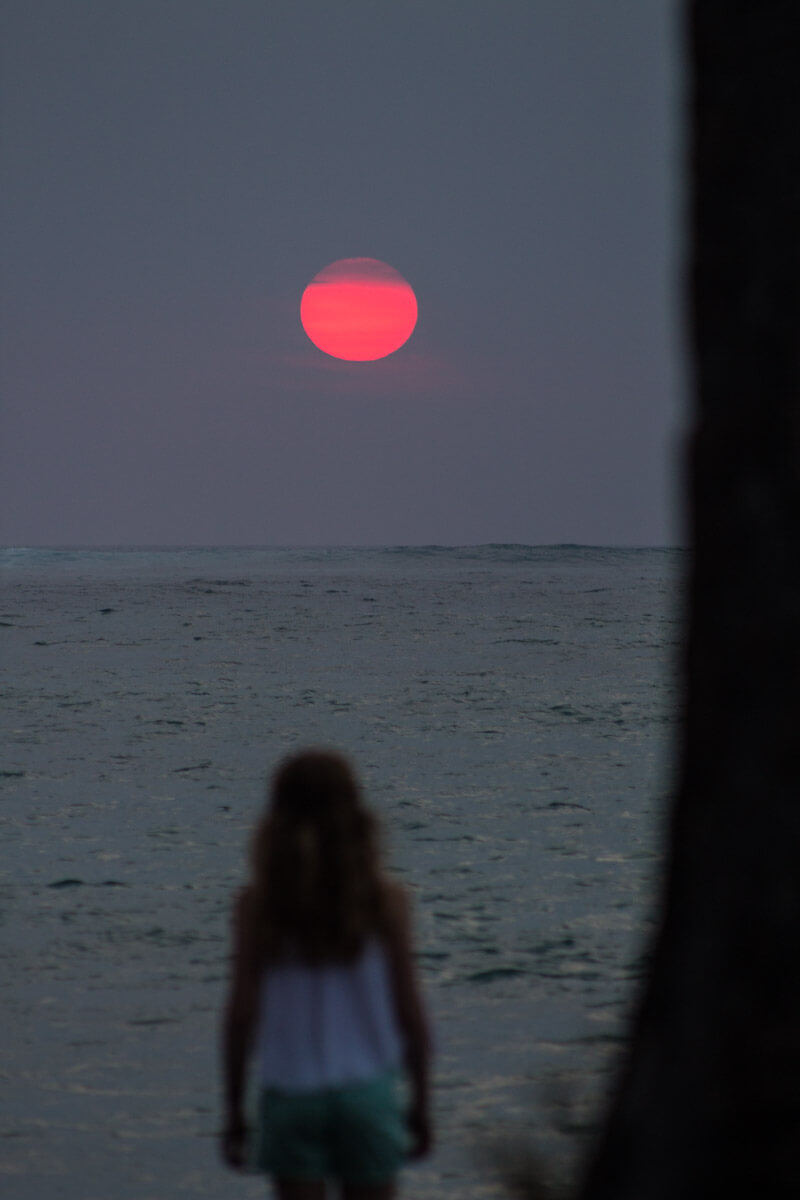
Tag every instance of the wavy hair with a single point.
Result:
(317, 877)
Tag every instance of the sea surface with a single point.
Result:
(512, 710)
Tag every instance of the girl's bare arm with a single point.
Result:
(239, 1024)
(411, 1018)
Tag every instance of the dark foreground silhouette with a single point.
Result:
(708, 1102)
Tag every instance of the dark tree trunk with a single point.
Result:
(709, 1101)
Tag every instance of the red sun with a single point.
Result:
(359, 309)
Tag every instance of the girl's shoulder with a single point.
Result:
(246, 942)
(397, 907)
(245, 909)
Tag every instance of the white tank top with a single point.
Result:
(322, 1026)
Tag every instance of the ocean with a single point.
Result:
(512, 710)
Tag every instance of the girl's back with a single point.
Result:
(323, 1025)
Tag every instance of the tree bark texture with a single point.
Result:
(708, 1103)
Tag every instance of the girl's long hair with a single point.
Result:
(317, 878)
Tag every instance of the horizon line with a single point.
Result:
(101, 546)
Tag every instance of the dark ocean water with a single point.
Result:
(512, 710)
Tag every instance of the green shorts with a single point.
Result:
(355, 1133)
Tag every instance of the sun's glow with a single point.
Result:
(359, 309)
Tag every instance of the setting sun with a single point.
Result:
(358, 309)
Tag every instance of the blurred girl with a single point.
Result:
(324, 993)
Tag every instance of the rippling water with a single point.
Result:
(511, 709)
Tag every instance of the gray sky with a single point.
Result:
(178, 170)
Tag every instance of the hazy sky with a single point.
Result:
(178, 170)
